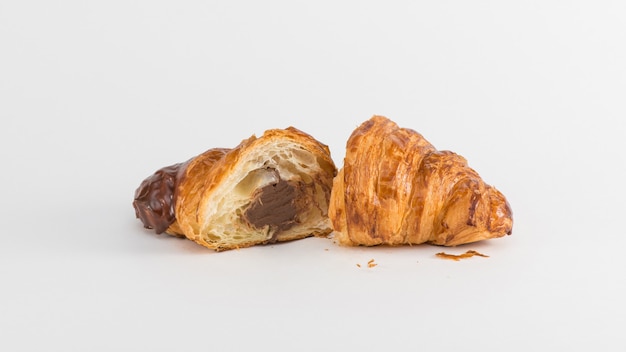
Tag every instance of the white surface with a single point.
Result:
(95, 96)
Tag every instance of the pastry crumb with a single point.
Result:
(457, 257)
(359, 265)
(371, 263)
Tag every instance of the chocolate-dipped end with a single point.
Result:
(154, 199)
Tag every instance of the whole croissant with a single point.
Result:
(395, 188)
(269, 189)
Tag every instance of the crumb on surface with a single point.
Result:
(457, 257)
(359, 265)
(371, 263)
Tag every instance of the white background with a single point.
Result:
(95, 96)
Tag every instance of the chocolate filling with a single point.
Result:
(274, 205)
(154, 199)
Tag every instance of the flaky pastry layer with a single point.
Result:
(269, 189)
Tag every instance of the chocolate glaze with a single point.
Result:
(154, 199)
(274, 205)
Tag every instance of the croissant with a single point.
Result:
(395, 188)
(269, 189)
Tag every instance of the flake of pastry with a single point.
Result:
(458, 257)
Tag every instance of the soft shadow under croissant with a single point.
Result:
(395, 188)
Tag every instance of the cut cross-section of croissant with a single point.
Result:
(395, 188)
(269, 189)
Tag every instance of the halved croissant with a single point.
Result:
(269, 189)
(395, 188)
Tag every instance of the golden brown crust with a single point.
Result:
(192, 180)
(395, 188)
